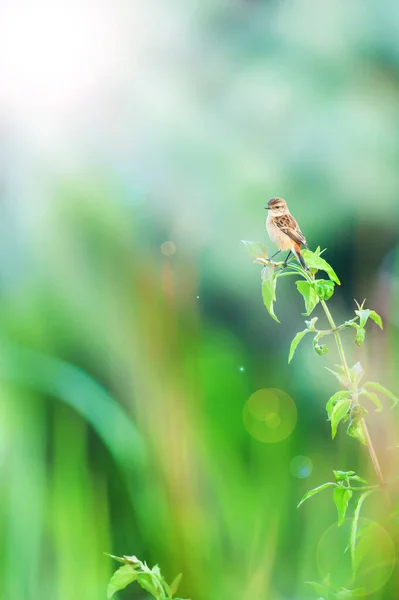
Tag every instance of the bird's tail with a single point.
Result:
(299, 256)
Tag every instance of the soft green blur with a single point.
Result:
(125, 362)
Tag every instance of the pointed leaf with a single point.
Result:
(299, 336)
(357, 373)
(338, 413)
(316, 490)
(255, 249)
(174, 586)
(366, 314)
(379, 388)
(309, 295)
(341, 500)
(363, 315)
(343, 380)
(120, 579)
(315, 261)
(118, 558)
(334, 399)
(356, 430)
(376, 318)
(357, 478)
(374, 399)
(269, 290)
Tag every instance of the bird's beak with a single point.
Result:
(267, 207)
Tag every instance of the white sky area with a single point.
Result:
(64, 65)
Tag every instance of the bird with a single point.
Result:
(284, 231)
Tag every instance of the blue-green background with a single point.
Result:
(124, 372)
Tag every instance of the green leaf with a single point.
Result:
(338, 413)
(269, 290)
(357, 478)
(299, 336)
(133, 560)
(374, 398)
(314, 261)
(356, 430)
(360, 335)
(354, 528)
(343, 380)
(255, 249)
(120, 579)
(379, 388)
(334, 399)
(118, 558)
(316, 490)
(376, 318)
(366, 314)
(149, 583)
(174, 586)
(309, 295)
(343, 475)
(357, 373)
(320, 349)
(324, 288)
(341, 500)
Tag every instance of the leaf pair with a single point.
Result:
(340, 409)
(348, 378)
(316, 263)
(342, 478)
(364, 315)
(150, 580)
(321, 349)
(315, 291)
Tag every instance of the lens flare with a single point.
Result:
(270, 415)
(374, 558)
(301, 467)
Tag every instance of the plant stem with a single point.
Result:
(337, 338)
(341, 352)
(374, 458)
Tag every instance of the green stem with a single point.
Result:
(337, 338)
(341, 352)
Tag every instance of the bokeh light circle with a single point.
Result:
(375, 556)
(269, 415)
(301, 467)
(168, 248)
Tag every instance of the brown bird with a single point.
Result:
(284, 231)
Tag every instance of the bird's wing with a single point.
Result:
(288, 225)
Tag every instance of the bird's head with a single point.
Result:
(277, 207)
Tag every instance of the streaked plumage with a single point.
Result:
(283, 229)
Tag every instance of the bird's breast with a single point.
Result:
(282, 240)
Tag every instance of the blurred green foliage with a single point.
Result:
(125, 372)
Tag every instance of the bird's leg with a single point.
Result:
(275, 254)
(286, 259)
